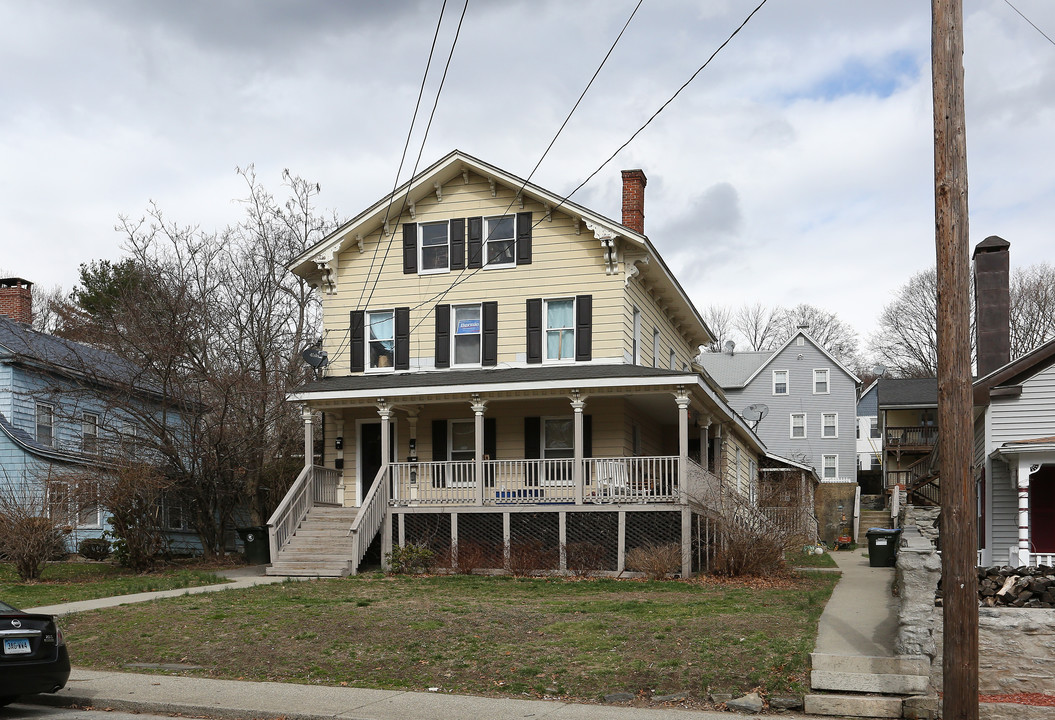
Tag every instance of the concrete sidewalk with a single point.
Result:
(861, 615)
(169, 694)
(243, 577)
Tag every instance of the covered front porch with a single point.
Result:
(1031, 465)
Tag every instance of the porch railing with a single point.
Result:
(314, 485)
(532, 482)
(369, 519)
(913, 436)
(1015, 558)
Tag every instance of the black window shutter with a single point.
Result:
(356, 343)
(443, 336)
(583, 327)
(532, 447)
(410, 248)
(476, 242)
(439, 452)
(534, 330)
(457, 231)
(491, 438)
(524, 238)
(489, 319)
(402, 361)
(587, 435)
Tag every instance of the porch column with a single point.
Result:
(412, 451)
(384, 409)
(577, 405)
(705, 431)
(682, 398)
(309, 443)
(338, 463)
(1025, 470)
(479, 406)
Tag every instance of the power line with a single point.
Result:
(637, 132)
(1030, 22)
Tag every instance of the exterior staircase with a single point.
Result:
(320, 546)
(863, 686)
(871, 519)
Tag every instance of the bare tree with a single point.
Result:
(719, 319)
(758, 325)
(1032, 308)
(832, 333)
(907, 339)
(31, 534)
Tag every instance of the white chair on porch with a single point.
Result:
(612, 478)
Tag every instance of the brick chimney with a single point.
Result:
(16, 299)
(634, 182)
(992, 303)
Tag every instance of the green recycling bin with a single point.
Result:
(882, 546)
(256, 544)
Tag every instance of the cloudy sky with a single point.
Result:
(796, 168)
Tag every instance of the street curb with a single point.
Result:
(166, 708)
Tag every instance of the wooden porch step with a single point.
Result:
(310, 569)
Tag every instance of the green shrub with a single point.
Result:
(94, 548)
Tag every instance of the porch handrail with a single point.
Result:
(370, 517)
(911, 435)
(290, 512)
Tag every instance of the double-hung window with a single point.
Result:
(829, 425)
(798, 425)
(466, 334)
(89, 433)
(45, 424)
(820, 382)
(462, 437)
(560, 329)
(873, 427)
(380, 348)
(500, 243)
(780, 382)
(831, 467)
(558, 443)
(434, 247)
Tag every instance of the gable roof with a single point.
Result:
(740, 369)
(324, 253)
(1014, 372)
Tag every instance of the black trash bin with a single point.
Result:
(256, 544)
(882, 546)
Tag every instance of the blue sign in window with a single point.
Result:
(468, 326)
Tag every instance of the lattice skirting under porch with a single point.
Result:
(580, 541)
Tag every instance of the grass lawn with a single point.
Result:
(797, 558)
(478, 635)
(71, 581)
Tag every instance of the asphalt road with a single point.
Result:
(39, 712)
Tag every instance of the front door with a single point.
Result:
(370, 453)
(1042, 510)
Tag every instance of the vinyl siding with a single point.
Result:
(1031, 415)
(775, 428)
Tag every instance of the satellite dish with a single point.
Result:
(730, 346)
(315, 357)
(879, 369)
(754, 413)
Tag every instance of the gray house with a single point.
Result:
(811, 401)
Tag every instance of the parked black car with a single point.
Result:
(33, 655)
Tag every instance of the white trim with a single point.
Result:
(834, 415)
(37, 407)
(420, 242)
(827, 381)
(824, 461)
(485, 239)
(359, 451)
(787, 383)
(453, 334)
(546, 329)
(791, 429)
(367, 368)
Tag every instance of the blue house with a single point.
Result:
(55, 418)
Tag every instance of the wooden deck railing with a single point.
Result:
(369, 520)
(314, 485)
(917, 436)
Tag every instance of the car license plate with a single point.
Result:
(17, 646)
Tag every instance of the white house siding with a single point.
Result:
(775, 428)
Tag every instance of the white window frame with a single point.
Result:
(827, 375)
(452, 478)
(787, 382)
(90, 421)
(91, 516)
(873, 428)
(544, 480)
(636, 348)
(48, 412)
(487, 239)
(835, 425)
(546, 329)
(834, 466)
(804, 434)
(454, 335)
(421, 248)
(655, 347)
(752, 481)
(673, 360)
(368, 339)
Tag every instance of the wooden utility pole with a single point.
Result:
(959, 522)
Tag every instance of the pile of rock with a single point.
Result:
(1021, 587)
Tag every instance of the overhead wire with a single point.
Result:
(1030, 22)
(565, 198)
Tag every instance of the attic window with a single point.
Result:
(434, 247)
(500, 241)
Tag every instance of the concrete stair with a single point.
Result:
(871, 519)
(320, 547)
(863, 686)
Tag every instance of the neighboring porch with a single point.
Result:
(1031, 466)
